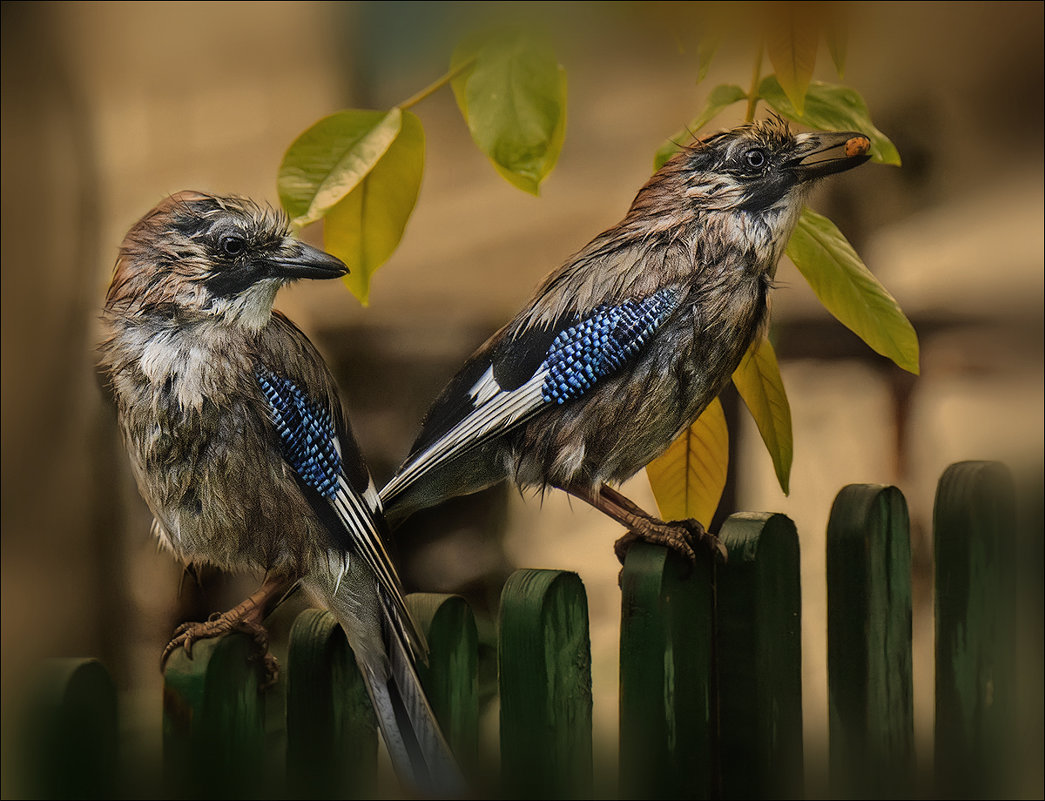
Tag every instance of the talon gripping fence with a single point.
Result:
(710, 676)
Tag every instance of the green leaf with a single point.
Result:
(720, 97)
(513, 98)
(524, 181)
(850, 291)
(706, 49)
(837, 44)
(329, 160)
(791, 46)
(688, 478)
(830, 107)
(757, 379)
(365, 227)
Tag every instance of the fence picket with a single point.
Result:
(451, 677)
(710, 676)
(72, 732)
(214, 720)
(871, 712)
(666, 697)
(973, 523)
(544, 660)
(331, 730)
(759, 658)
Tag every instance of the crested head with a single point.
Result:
(751, 182)
(761, 165)
(211, 255)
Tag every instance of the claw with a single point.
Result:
(679, 535)
(187, 634)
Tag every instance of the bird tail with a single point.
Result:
(419, 752)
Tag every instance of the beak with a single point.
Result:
(821, 153)
(295, 259)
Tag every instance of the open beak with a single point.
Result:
(295, 259)
(824, 153)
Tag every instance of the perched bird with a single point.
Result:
(241, 449)
(622, 348)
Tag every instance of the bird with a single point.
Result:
(241, 449)
(621, 348)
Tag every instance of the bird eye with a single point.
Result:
(232, 245)
(755, 158)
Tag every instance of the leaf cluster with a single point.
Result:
(359, 171)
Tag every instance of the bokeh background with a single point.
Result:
(107, 107)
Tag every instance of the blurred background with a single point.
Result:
(108, 107)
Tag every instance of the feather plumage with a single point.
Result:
(240, 446)
(685, 276)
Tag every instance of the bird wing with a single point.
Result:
(517, 376)
(329, 476)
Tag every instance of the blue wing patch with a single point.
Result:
(306, 432)
(599, 344)
(476, 408)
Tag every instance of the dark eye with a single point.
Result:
(232, 245)
(755, 158)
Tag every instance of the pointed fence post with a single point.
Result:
(871, 710)
(973, 543)
(72, 740)
(544, 660)
(666, 709)
(214, 720)
(331, 730)
(451, 677)
(759, 658)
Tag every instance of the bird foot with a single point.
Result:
(681, 536)
(187, 634)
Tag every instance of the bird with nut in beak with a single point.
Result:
(621, 348)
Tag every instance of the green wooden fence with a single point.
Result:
(710, 676)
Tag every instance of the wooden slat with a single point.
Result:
(451, 676)
(214, 721)
(544, 661)
(666, 714)
(973, 533)
(72, 736)
(331, 730)
(870, 692)
(759, 658)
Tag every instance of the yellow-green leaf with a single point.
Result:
(850, 291)
(527, 180)
(837, 44)
(720, 97)
(513, 97)
(830, 107)
(688, 478)
(757, 379)
(706, 49)
(365, 227)
(791, 41)
(329, 160)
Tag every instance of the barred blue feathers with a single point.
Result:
(306, 431)
(601, 343)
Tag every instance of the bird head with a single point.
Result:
(220, 256)
(751, 181)
(761, 166)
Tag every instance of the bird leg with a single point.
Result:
(246, 617)
(678, 535)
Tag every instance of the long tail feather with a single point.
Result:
(419, 753)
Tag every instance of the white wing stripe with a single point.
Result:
(499, 413)
(372, 549)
